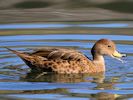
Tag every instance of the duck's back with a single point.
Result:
(58, 53)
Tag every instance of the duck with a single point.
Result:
(69, 61)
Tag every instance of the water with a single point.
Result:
(18, 83)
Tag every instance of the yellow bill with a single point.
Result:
(117, 54)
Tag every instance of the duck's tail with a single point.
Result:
(22, 55)
(14, 51)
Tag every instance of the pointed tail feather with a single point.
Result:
(14, 51)
(21, 54)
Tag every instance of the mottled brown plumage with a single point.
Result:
(61, 60)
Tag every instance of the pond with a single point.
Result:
(18, 83)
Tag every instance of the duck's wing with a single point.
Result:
(59, 53)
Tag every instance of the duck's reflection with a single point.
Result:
(99, 79)
(64, 78)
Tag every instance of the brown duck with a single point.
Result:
(60, 60)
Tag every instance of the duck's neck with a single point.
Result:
(98, 60)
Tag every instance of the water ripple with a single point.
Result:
(60, 25)
(42, 85)
(64, 37)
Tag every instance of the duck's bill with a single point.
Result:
(118, 56)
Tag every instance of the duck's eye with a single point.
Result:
(109, 46)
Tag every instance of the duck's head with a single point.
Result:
(106, 47)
